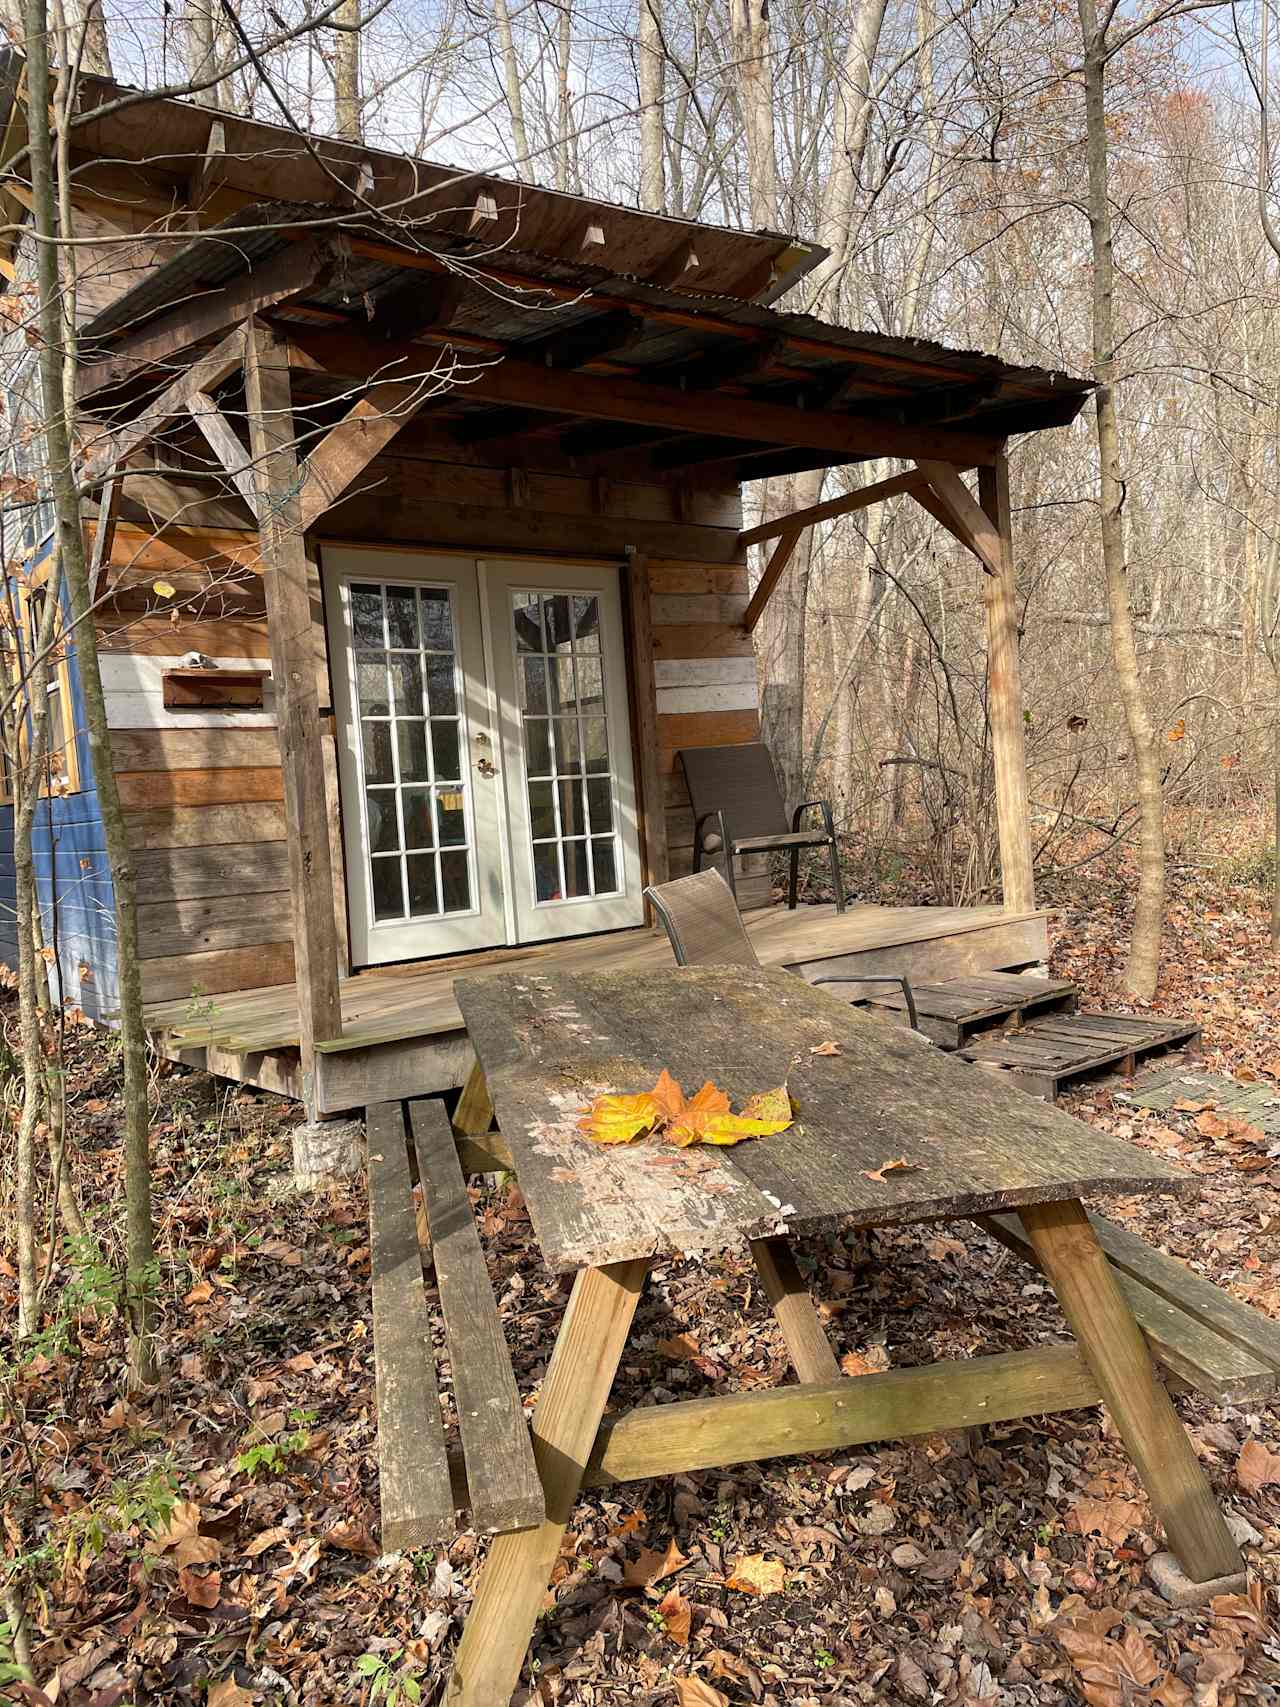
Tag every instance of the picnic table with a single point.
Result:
(547, 1043)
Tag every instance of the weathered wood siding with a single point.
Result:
(202, 789)
(203, 797)
(705, 688)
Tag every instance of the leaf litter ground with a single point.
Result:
(215, 1540)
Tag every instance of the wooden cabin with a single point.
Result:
(419, 550)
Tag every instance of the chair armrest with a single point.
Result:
(904, 984)
(824, 806)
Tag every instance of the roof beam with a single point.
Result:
(962, 514)
(285, 275)
(527, 386)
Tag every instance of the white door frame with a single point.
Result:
(484, 924)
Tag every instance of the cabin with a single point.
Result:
(417, 538)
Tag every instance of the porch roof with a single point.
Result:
(392, 302)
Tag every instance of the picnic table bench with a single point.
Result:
(976, 1148)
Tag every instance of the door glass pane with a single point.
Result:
(572, 787)
(366, 616)
(388, 896)
(405, 668)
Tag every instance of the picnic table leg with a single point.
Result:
(474, 1114)
(811, 1353)
(1112, 1344)
(514, 1579)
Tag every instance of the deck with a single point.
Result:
(402, 1033)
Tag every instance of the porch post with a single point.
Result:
(286, 575)
(1004, 697)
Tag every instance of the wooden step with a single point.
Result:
(1049, 1053)
(952, 1010)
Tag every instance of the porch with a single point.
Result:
(402, 1034)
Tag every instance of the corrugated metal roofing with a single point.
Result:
(676, 325)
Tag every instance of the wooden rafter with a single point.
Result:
(962, 514)
(225, 446)
(526, 385)
(208, 315)
(347, 449)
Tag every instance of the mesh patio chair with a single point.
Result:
(705, 928)
(738, 809)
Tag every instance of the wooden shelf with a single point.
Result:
(188, 689)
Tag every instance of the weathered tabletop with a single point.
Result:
(550, 1042)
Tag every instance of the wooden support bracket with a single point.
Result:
(225, 446)
(961, 513)
(772, 574)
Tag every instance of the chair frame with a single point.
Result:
(733, 847)
(654, 896)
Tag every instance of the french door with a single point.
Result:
(484, 752)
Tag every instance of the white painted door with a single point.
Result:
(560, 674)
(484, 752)
(415, 748)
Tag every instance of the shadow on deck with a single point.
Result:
(402, 1034)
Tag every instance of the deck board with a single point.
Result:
(417, 1000)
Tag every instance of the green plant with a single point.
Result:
(200, 1006)
(389, 1681)
(824, 1659)
(272, 1454)
(10, 1670)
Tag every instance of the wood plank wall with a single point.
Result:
(202, 789)
(705, 687)
(203, 798)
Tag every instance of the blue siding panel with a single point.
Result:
(73, 880)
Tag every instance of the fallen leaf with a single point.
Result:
(1113, 1520)
(184, 1521)
(619, 1119)
(754, 1574)
(197, 1550)
(828, 1048)
(200, 1590)
(652, 1566)
(1256, 1467)
(630, 1523)
(677, 1616)
(267, 1538)
(228, 1693)
(899, 1165)
(352, 1537)
(693, 1692)
(166, 590)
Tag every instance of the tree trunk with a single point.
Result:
(57, 351)
(650, 73)
(514, 89)
(1143, 967)
(346, 72)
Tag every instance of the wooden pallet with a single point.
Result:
(954, 1009)
(1050, 1053)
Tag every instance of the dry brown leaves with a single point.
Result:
(1256, 1467)
(754, 1574)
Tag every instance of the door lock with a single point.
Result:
(486, 767)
